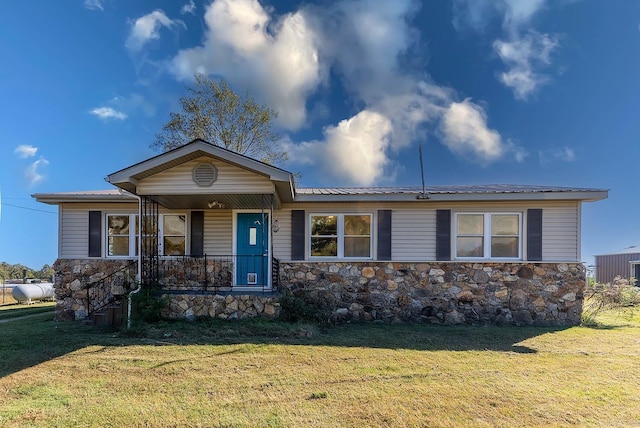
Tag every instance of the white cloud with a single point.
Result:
(147, 28)
(188, 8)
(353, 152)
(274, 59)
(465, 132)
(283, 60)
(93, 4)
(562, 154)
(25, 151)
(108, 113)
(522, 57)
(33, 174)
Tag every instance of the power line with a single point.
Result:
(27, 208)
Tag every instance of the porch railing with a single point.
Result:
(111, 288)
(213, 273)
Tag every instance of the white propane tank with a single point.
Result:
(33, 291)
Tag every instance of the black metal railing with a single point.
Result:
(212, 273)
(275, 272)
(111, 288)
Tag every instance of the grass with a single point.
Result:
(269, 374)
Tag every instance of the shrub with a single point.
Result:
(148, 305)
(305, 308)
(620, 295)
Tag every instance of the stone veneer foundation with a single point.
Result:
(437, 292)
(442, 292)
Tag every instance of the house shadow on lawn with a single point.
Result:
(32, 341)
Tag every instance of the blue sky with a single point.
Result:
(495, 91)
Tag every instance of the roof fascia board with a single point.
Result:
(54, 199)
(127, 174)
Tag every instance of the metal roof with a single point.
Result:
(456, 192)
(86, 196)
(634, 249)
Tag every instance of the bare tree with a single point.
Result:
(213, 112)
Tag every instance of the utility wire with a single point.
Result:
(27, 208)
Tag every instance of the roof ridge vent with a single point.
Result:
(205, 174)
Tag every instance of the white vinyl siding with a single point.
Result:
(560, 231)
(218, 231)
(413, 235)
(74, 233)
(179, 180)
(282, 238)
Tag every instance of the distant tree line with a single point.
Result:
(18, 271)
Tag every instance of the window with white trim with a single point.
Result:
(122, 235)
(488, 235)
(340, 235)
(173, 229)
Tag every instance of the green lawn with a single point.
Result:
(269, 374)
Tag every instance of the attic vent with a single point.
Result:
(205, 174)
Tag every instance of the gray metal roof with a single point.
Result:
(86, 195)
(456, 192)
(634, 249)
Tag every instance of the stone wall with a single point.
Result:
(190, 306)
(74, 275)
(442, 292)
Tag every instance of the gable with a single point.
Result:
(230, 179)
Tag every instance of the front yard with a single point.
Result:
(276, 374)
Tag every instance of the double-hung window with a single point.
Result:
(122, 235)
(488, 235)
(340, 235)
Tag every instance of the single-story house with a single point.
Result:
(624, 263)
(224, 235)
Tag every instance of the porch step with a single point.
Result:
(111, 315)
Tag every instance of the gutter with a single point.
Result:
(139, 269)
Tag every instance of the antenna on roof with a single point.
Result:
(423, 195)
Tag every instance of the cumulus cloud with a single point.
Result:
(147, 28)
(25, 151)
(465, 132)
(188, 8)
(108, 113)
(274, 59)
(284, 60)
(33, 172)
(93, 4)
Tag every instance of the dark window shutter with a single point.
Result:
(443, 235)
(297, 234)
(95, 233)
(384, 234)
(197, 233)
(534, 234)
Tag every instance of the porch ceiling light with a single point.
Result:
(205, 174)
(216, 204)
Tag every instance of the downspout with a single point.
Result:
(139, 269)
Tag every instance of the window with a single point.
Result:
(173, 233)
(121, 236)
(341, 235)
(488, 235)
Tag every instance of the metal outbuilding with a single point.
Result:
(624, 263)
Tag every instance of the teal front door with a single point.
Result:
(252, 249)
